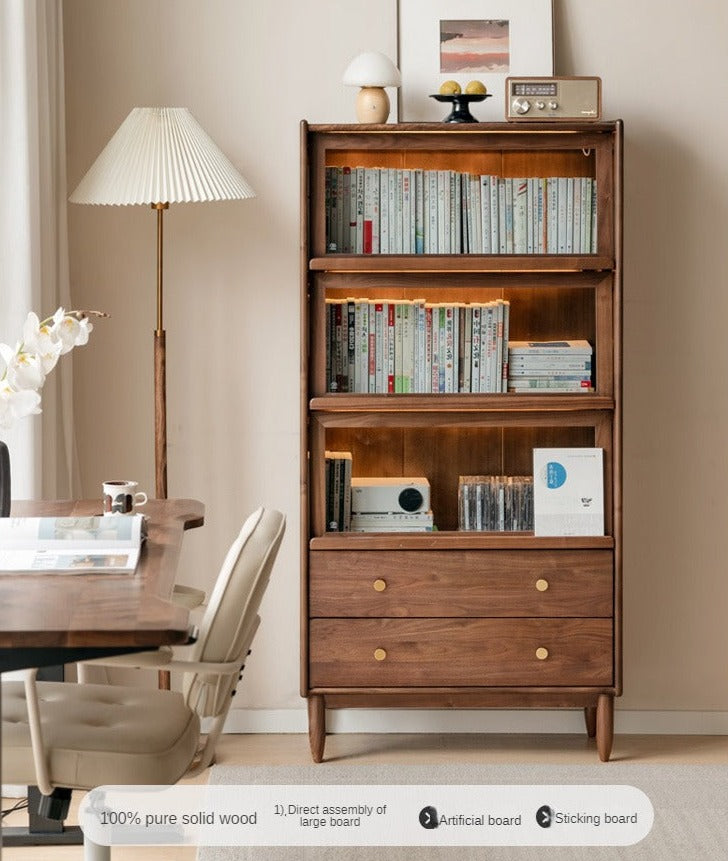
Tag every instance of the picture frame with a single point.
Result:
(464, 40)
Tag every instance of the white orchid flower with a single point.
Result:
(42, 339)
(71, 331)
(25, 371)
(16, 404)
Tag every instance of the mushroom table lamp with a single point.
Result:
(372, 72)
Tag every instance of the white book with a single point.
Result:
(568, 491)
(477, 312)
(419, 246)
(562, 205)
(361, 338)
(552, 215)
(380, 349)
(384, 211)
(372, 348)
(509, 198)
(502, 217)
(432, 218)
(482, 186)
(407, 222)
(494, 215)
(443, 211)
(392, 208)
(506, 327)
(467, 337)
(520, 215)
(546, 348)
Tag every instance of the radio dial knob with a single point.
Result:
(521, 106)
(540, 105)
(553, 104)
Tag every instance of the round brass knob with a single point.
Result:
(542, 585)
(379, 654)
(380, 585)
(542, 653)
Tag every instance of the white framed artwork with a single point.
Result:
(466, 40)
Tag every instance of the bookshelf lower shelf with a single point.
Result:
(456, 541)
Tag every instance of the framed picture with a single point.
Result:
(469, 40)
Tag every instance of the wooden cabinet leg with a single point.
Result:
(605, 726)
(590, 719)
(316, 726)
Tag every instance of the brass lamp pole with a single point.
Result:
(160, 367)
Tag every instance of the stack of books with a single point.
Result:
(551, 366)
(338, 491)
(495, 503)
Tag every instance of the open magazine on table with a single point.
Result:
(71, 545)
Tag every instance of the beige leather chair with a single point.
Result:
(79, 736)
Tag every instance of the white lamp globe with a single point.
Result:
(372, 71)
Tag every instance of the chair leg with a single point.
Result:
(93, 852)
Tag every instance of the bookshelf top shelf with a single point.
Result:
(459, 129)
(460, 263)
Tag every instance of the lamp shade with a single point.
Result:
(372, 69)
(160, 155)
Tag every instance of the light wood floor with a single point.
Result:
(411, 750)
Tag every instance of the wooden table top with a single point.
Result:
(52, 611)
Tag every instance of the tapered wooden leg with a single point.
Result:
(590, 719)
(316, 726)
(605, 726)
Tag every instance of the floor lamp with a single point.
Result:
(160, 156)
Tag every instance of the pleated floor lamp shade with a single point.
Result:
(160, 156)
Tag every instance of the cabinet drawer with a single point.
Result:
(450, 583)
(457, 652)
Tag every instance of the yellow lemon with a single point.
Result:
(476, 87)
(450, 88)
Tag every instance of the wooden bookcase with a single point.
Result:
(463, 619)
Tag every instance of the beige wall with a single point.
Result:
(249, 73)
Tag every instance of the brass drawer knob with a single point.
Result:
(380, 585)
(380, 654)
(542, 585)
(542, 653)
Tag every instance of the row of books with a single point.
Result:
(338, 490)
(495, 503)
(550, 366)
(394, 346)
(378, 210)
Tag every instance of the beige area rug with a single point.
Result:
(690, 803)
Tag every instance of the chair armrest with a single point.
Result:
(162, 658)
(152, 660)
(40, 759)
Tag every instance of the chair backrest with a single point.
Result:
(232, 611)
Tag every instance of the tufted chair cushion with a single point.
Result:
(99, 734)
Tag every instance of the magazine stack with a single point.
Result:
(550, 366)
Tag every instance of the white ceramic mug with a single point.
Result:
(122, 497)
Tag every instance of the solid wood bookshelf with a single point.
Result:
(454, 619)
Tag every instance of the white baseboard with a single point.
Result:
(476, 721)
